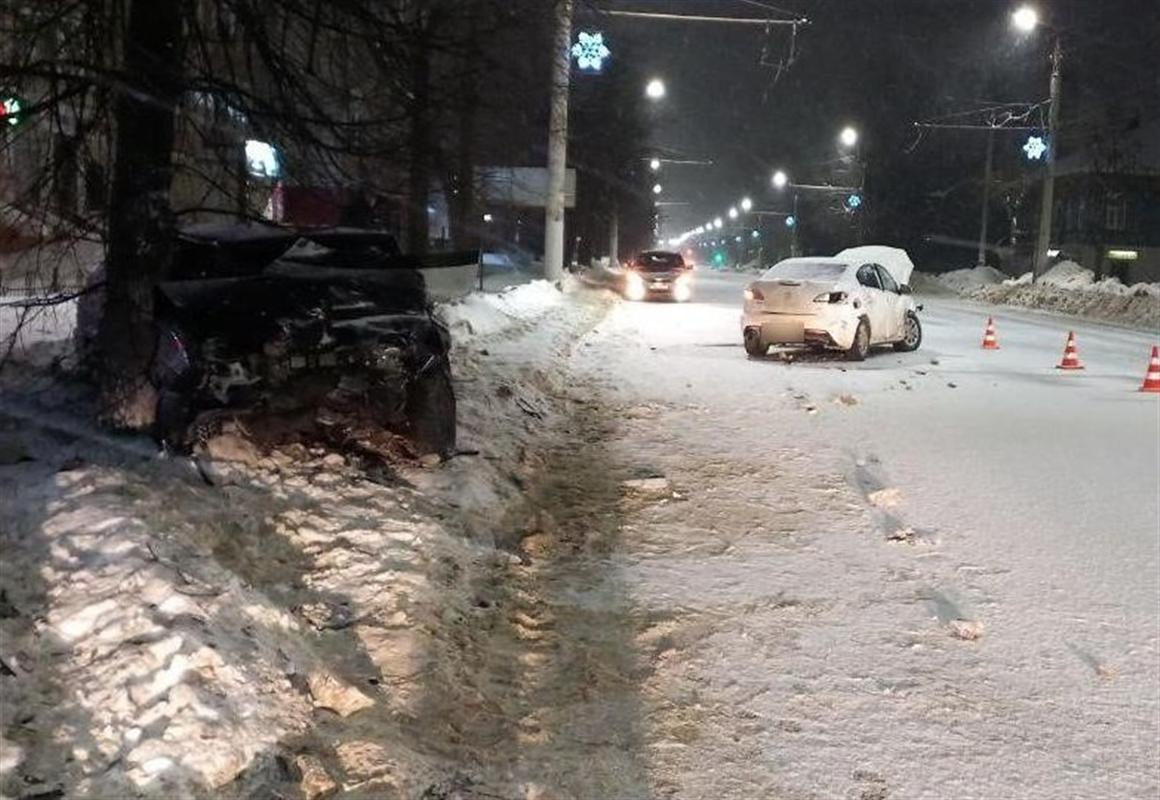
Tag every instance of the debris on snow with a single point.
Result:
(967, 630)
(316, 781)
(651, 487)
(847, 399)
(885, 498)
(330, 693)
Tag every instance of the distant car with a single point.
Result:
(850, 302)
(280, 319)
(657, 274)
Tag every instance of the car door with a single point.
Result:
(876, 303)
(894, 301)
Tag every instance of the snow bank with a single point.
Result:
(300, 610)
(964, 280)
(1066, 288)
(481, 315)
(35, 334)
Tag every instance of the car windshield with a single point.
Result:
(659, 262)
(804, 271)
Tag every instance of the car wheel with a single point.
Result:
(173, 417)
(911, 334)
(753, 344)
(861, 346)
(431, 411)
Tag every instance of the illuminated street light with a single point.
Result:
(718, 223)
(780, 179)
(746, 205)
(655, 89)
(655, 164)
(1025, 19)
(733, 213)
(848, 137)
(488, 218)
(657, 188)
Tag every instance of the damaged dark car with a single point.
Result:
(277, 322)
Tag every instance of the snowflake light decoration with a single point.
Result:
(10, 108)
(1035, 148)
(590, 52)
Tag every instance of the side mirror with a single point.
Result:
(905, 289)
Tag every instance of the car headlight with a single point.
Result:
(831, 297)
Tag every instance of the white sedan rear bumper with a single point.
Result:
(831, 326)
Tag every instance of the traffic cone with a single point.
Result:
(1070, 354)
(1152, 379)
(990, 341)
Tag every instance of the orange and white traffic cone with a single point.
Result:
(1152, 379)
(1070, 354)
(990, 340)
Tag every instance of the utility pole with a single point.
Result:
(794, 249)
(982, 262)
(558, 143)
(1045, 213)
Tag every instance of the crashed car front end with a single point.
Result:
(281, 344)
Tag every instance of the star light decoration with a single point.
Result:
(590, 52)
(10, 108)
(1035, 148)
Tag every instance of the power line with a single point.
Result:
(704, 18)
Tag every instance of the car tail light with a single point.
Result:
(831, 297)
(753, 293)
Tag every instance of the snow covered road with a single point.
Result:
(834, 522)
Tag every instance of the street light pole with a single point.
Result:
(794, 250)
(982, 262)
(1045, 214)
(558, 143)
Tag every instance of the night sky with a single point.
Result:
(879, 65)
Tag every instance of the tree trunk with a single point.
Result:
(140, 217)
(419, 188)
(463, 217)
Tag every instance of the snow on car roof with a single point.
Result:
(894, 259)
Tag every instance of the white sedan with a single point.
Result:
(851, 302)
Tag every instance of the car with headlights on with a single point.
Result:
(850, 302)
(658, 274)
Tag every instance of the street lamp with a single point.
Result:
(655, 165)
(848, 137)
(780, 180)
(718, 223)
(746, 205)
(733, 213)
(657, 188)
(655, 90)
(1025, 19)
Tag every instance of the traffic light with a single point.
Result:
(719, 258)
(854, 201)
(791, 221)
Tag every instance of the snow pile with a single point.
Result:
(965, 280)
(1067, 288)
(481, 315)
